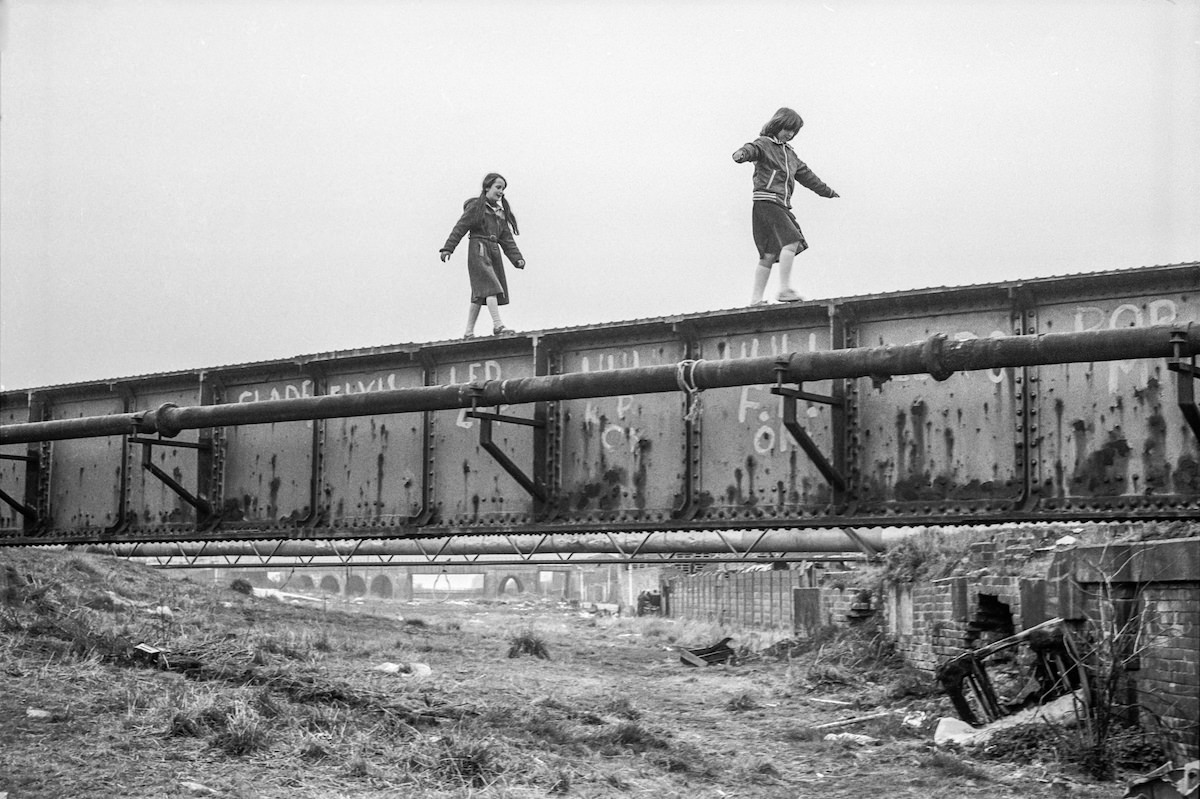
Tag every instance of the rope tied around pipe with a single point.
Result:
(685, 378)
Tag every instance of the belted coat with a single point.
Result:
(490, 234)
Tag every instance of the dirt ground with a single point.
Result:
(246, 696)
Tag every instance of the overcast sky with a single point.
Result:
(197, 184)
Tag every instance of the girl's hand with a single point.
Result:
(520, 264)
(445, 255)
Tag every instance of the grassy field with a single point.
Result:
(233, 695)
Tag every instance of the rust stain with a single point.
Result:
(734, 494)
(610, 495)
(273, 504)
(1187, 473)
(793, 495)
(1104, 471)
(1059, 469)
(379, 461)
(640, 472)
(751, 473)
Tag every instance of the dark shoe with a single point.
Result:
(501, 330)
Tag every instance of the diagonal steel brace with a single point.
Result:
(1186, 375)
(202, 506)
(801, 436)
(485, 440)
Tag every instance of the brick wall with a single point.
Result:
(751, 599)
(1157, 585)
(765, 599)
(1160, 583)
(1168, 682)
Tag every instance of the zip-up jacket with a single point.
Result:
(777, 169)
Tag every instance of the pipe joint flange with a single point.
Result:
(164, 422)
(932, 357)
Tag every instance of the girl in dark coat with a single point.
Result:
(776, 172)
(490, 221)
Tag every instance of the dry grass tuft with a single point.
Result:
(950, 764)
(527, 642)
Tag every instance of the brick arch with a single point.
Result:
(381, 587)
(506, 581)
(330, 584)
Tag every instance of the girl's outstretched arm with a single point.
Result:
(806, 178)
(747, 152)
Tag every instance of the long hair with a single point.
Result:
(784, 119)
(481, 206)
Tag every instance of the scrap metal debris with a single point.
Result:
(720, 652)
(1056, 672)
(1166, 782)
(1064, 711)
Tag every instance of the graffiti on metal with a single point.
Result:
(1074, 437)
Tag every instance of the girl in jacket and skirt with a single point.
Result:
(776, 171)
(491, 224)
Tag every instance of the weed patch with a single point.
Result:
(528, 643)
(950, 764)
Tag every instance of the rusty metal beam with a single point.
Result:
(541, 561)
(738, 544)
(938, 356)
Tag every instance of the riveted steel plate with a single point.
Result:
(269, 467)
(86, 474)
(152, 503)
(12, 472)
(373, 466)
(1111, 434)
(750, 465)
(927, 447)
(623, 457)
(469, 486)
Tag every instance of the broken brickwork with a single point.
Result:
(1021, 578)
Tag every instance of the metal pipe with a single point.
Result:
(276, 564)
(938, 356)
(726, 542)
